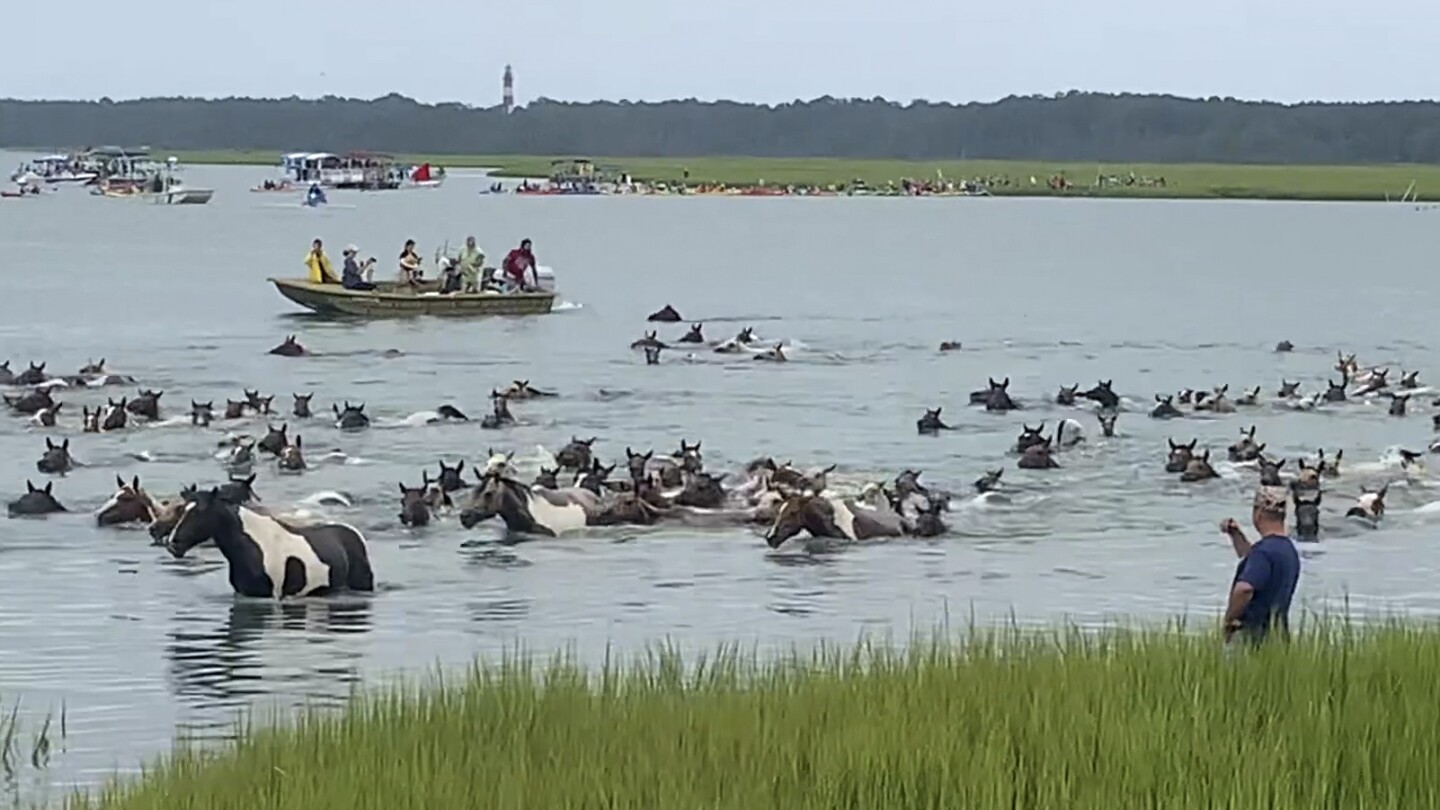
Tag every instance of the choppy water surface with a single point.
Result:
(1158, 296)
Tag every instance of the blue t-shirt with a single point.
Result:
(1273, 569)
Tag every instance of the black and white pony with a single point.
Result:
(527, 510)
(272, 559)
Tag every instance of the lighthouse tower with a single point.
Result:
(509, 89)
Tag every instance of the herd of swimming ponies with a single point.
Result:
(276, 553)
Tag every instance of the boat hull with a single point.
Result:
(186, 196)
(394, 301)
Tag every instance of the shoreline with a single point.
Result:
(1182, 181)
(1037, 718)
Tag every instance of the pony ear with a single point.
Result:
(135, 483)
(119, 482)
(49, 485)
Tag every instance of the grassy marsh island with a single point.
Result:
(1341, 717)
(1004, 178)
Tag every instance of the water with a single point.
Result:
(139, 648)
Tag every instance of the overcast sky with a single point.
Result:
(750, 50)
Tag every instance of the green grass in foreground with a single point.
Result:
(1162, 719)
(1193, 180)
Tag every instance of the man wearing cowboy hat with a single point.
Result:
(1269, 569)
(351, 276)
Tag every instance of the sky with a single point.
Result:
(748, 50)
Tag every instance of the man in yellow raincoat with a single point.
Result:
(319, 264)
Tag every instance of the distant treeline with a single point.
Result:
(1065, 127)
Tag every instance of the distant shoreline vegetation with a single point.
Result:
(1064, 128)
(1344, 716)
(1003, 178)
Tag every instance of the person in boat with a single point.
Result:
(410, 263)
(449, 275)
(355, 275)
(471, 260)
(315, 196)
(517, 263)
(320, 270)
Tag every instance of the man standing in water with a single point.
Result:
(1265, 579)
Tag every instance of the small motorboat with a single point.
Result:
(20, 192)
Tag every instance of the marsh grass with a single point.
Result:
(1341, 717)
(1183, 180)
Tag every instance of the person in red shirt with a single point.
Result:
(517, 263)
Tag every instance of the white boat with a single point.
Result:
(166, 187)
(55, 169)
(182, 196)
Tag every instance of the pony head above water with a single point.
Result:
(666, 314)
(451, 478)
(36, 501)
(521, 390)
(1038, 456)
(635, 463)
(147, 404)
(1029, 437)
(997, 398)
(257, 403)
(1107, 422)
(114, 418)
(1199, 469)
(1370, 505)
(990, 481)
(130, 504)
(1103, 394)
(275, 439)
(89, 420)
(1246, 449)
(414, 505)
(234, 410)
(56, 459)
(596, 477)
(291, 456)
(90, 369)
(930, 424)
(1066, 395)
(547, 478)
(202, 413)
(301, 408)
(290, 347)
(1331, 468)
(1270, 471)
(239, 491)
(351, 417)
(1180, 455)
(1250, 397)
(703, 491)
(1165, 408)
(775, 354)
(1397, 404)
(34, 375)
(1409, 380)
(1284, 346)
(1288, 389)
(577, 454)
(688, 457)
(695, 335)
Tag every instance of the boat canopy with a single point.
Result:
(119, 152)
(52, 159)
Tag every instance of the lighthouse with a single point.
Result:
(508, 85)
